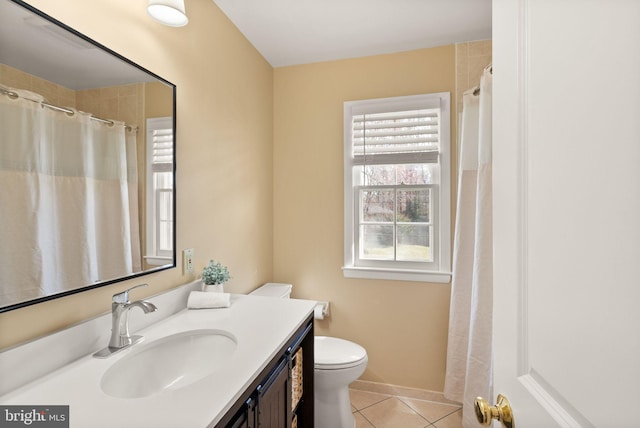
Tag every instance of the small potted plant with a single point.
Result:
(214, 275)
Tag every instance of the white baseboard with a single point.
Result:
(401, 391)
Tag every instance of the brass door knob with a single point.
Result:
(501, 412)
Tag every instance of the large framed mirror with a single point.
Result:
(87, 162)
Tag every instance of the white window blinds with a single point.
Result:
(411, 136)
(162, 150)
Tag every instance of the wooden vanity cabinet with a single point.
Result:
(274, 398)
(267, 403)
(245, 418)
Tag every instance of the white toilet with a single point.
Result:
(338, 362)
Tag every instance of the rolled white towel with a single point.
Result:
(206, 300)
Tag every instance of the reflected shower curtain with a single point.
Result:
(469, 358)
(67, 189)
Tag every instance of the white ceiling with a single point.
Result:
(289, 32)
(35, 45)
(285, 32)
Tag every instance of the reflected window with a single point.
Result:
(159, 179)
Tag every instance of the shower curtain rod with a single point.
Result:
(476, 90)
(14, 95)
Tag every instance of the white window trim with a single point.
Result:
(380, 105)
(152, 257)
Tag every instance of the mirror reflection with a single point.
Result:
(86, 162)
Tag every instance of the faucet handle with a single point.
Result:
(123, 297)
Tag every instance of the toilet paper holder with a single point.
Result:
(321, 310)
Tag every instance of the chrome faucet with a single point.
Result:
(120, 336)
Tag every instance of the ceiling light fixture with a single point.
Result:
(168, 12)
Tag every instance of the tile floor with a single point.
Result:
(373, 410)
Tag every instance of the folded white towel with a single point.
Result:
(205, 300)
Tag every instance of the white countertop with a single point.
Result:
(262, 326)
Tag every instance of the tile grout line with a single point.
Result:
(415, 412)
(434, 402)
(371, 405)
(366, 419)
(458, 410)
(450, 414)
(429, 424)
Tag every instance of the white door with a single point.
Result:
(566, 133)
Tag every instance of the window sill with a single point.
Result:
(396, 274)
(158, 260)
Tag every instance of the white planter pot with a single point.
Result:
(215, 288)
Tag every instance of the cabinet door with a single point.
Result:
(274, 410)
(245, 418)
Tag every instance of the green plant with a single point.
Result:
(215, 273)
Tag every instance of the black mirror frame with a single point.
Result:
(57, 295)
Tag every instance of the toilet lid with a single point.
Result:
(333, 353)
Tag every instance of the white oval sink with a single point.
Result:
(170, 363)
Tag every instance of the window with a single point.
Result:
(159, 213)
(397, 188)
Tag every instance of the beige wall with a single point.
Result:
(471, 60)
(403, 325)
(224, 148)
(125, 103)
(157, 100)
(53, 93)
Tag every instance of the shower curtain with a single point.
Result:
(469, 356)
(68, 199)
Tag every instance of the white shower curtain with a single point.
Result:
(469, 356)
(67, 190)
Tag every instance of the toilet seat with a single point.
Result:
(332, 353)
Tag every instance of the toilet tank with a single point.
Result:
(273, 289)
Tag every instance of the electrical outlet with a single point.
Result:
(187, 261)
